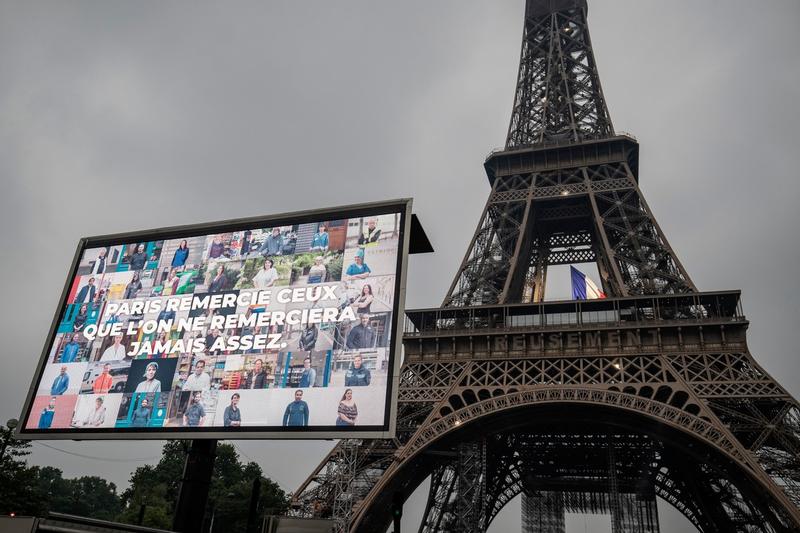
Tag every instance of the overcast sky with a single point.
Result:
(120, 116)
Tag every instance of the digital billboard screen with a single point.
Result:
(271, 327)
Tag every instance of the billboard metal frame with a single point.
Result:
(387, 430)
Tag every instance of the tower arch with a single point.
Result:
(572, 414)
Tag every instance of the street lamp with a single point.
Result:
(10, 424)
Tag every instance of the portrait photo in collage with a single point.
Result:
(276, 327)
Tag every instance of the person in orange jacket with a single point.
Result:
(103, 382)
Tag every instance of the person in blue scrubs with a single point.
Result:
(61, 383)
(358, 269)
(70, 353)
(46, 418)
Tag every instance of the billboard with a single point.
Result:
(272, 327)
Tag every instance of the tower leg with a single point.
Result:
(437, 512)
(543, 513)
(397, 511)
(470, 494)
(614, 500)
(630, 512)
(342, 479)
(638, 513)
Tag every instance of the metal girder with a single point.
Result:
(558, 95)
(527, 214)
(342, 476)
(457, 492)
(676, 374)
(714, 434)
(646, 377)
(484, 270)
(439, 511)
(471, 487)
(543, 512)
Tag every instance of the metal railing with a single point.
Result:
(665, 310)
(555, 143)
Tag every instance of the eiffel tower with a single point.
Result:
(587, 406)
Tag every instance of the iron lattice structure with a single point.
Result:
(586, 406)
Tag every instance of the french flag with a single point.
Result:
(583, 288)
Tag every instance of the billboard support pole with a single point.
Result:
(397, 511)
(252, 512)
(193, 494)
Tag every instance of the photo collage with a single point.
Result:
(139, 345)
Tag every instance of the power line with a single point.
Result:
(128, 460)
(236, 447)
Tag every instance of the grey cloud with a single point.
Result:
(123, 116)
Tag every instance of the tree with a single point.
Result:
(91, 496)
(229, 496)
(35, 490)
(18, 483)
(53, 489)
(335, 265)
(12, 449)
(157, 487)
(249, 270)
